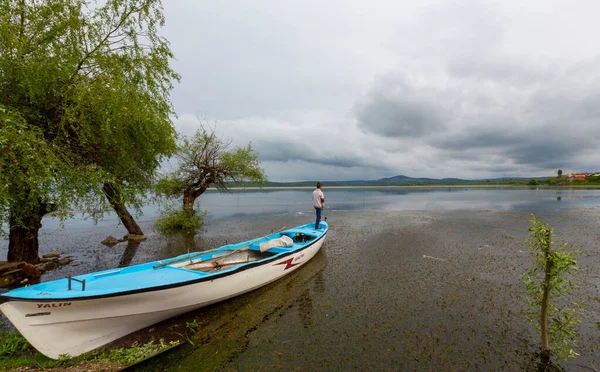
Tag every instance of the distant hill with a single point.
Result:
(405, 180)
(402, 180)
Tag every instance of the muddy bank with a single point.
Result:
(411, 291)
(389, 290)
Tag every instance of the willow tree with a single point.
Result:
(205, 160)
(84, 110)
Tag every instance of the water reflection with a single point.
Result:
(305, 300)
(128, 254)
(177, 244)
(319, 282)
(305, 306)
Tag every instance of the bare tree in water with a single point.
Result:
(205, 160)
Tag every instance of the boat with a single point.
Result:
(77, 314)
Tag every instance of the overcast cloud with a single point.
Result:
(338, 90)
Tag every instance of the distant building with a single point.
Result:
(579, 176)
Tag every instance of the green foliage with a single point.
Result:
(546, 282)
(125, 355)
(557, 181)
(192, 326)
(12, 343)
(136, 353)
(533, 182)
(169, 186)
(560, 172)
(204, 160)
(84, 100)
(177, 220)
(593, 180)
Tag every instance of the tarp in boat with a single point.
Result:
(284, 241)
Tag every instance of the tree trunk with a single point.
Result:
(23, 244)
(189, 197)
(116, 201)
(188, 204)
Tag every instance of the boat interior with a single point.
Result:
(230, 257)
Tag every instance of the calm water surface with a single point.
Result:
(391, 313)
(82, 236)
(298, 202)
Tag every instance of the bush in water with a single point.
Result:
(546, 281)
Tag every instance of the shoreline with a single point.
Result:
(420, 186)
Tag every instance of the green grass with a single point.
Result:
(12, 343)
(137, 353)
(16, 352)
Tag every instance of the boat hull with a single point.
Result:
(74, 326)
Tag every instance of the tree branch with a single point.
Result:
(102, 42)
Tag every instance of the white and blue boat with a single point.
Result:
(78, 314)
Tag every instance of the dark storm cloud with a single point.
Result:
(510, 119)
(520, 147)
(547, 154)
(301, 149)
(474, 138)
(394, 108)
(398, 118)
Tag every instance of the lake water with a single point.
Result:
(297, 201)
(80, 238)
(404, 309)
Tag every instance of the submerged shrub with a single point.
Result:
(177, 220)
(550, 278)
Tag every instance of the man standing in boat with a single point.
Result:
(318, 203)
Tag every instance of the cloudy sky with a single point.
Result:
(341, 90)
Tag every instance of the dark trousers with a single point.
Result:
(319, 212)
